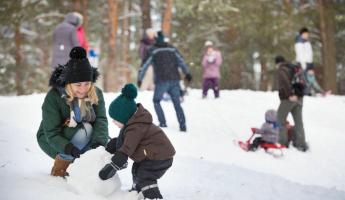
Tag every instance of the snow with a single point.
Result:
(207, 164)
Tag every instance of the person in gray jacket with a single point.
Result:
(64, 39)
(269, 131)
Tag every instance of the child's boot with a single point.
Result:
(151, 192)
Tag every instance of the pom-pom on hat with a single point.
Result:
(124, 106)
(160, 37)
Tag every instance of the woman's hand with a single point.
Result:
(70, 149)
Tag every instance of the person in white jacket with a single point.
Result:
(303, 50)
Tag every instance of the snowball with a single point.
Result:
(84, 174)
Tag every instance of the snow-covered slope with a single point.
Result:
(207, 164)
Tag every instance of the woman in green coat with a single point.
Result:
(73, 113)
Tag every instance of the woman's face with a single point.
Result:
(151, 35)
(80, 89)
(210, 50)
(311, 72)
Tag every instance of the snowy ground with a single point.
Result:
(207, 164)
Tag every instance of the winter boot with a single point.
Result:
(151, 192)
(60, 167)
(183, 128)
(163, 125)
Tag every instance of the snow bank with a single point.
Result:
(207, 164)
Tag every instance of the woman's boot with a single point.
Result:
(60, 167)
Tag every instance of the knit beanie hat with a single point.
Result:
(124, 106)
(160, 37)
(78, 67)
(208, 43)
(271, 115)
(310, 66)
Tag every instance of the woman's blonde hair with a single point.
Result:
(91, 95)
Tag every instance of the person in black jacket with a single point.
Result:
(165, 60)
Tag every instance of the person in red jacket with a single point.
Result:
(81, 35)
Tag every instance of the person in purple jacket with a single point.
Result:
(64, 39)
(211, 62)
(145, 44)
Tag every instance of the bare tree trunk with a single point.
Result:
(289, 11)
(146, 16)
(81, 7)
(264, 75)
(77, 5)
(125, 71)
(328, 46)
(85, 15)
(167, 16)
(18, 58)
(45, 47)
(129, 31)
(236, 75)
(287, 3)
(124, 34)
(110, 79)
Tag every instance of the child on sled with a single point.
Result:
(268, 133)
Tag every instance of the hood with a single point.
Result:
(147, 40)
(72, 19)
(140, 116)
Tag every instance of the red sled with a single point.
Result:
(274, 149)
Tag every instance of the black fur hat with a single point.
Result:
(77, 69)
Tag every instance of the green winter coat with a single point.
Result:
(52, 136)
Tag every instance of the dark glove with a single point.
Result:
(95, 145)
(139, 83)
(111, 146)
(107, 171)
(152, 193)
(298, 89)
(188, 77)
(118, 162)
(70, 149)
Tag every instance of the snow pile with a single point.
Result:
(207, 164)
(85, 174)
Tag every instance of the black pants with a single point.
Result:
(147, 172)
(255, 144)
